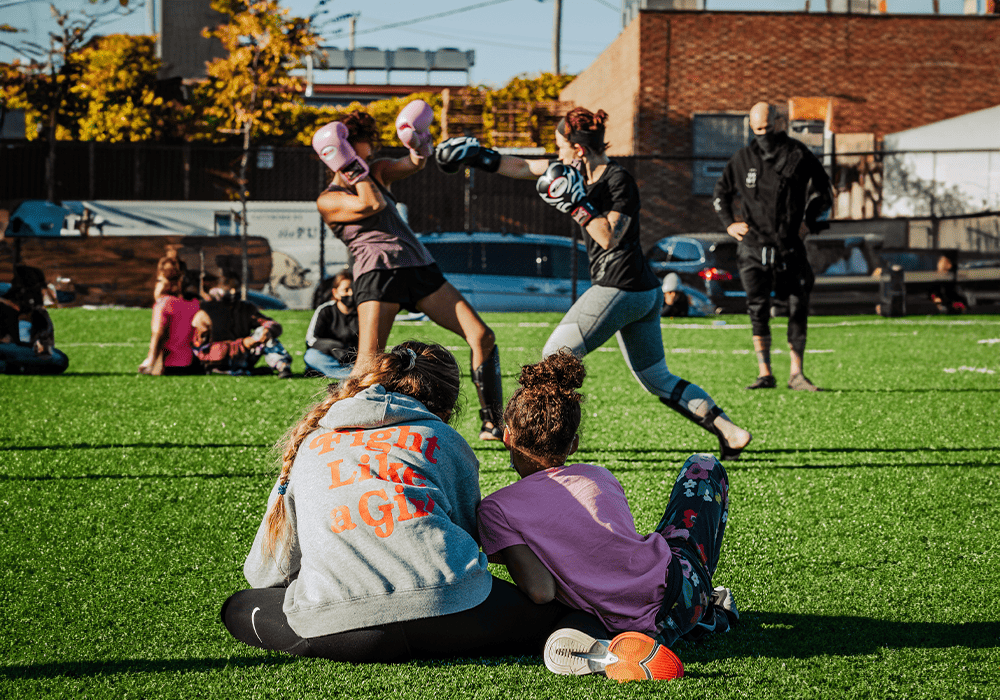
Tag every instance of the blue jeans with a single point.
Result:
(21, 359)
(327, 365)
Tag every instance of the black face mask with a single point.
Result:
(348, 301)
(768, 142)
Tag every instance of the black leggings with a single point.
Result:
(506, 623)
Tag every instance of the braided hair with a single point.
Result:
(427, 373)
(543, 416)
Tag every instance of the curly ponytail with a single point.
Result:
(543, 416)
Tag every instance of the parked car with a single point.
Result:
(843, 265)
(705, 262)
(510, 272)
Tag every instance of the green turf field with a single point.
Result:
(861, 546)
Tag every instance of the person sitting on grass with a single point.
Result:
(332, 336)
(27, 336)
(368, 551)
(231, 335)
(170, 342)
(565, 532)
(675, 301)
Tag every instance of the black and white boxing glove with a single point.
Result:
(453, 153)
(564, 188)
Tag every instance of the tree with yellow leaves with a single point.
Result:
(43, 85)
(250, 91)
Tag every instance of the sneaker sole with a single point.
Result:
(640, 657)
(563, 649)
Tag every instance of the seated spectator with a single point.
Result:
(945, 295)
(675, 301)
(169, 275)
(27, 337)
(231, 335)
(332, 337)
(170, 343)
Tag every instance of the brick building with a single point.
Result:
(876, 74)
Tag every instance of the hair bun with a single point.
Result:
(563, 370)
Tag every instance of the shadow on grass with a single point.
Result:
(932, 390)
(758, 635)
(791, 635)
(77, 669)
(138, 477)
(139, 445)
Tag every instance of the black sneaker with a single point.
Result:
(765, 382)
(799, 382)
(488, 431)
(285, 373)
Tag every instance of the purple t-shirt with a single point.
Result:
(382, 241)
(577, 521)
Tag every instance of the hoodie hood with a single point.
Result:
(375, 407)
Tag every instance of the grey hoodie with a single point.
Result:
(382, 504)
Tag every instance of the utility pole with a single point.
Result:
(350, 73)
(557, 26)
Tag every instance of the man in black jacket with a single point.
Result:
(332, 337)
(781, 184)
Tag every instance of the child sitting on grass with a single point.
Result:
(565, 532)
(367, 552)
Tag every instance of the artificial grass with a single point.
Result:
(861, 545)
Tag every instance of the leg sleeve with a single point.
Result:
(591, 321)
(641, 343)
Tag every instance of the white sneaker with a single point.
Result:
(629, 656)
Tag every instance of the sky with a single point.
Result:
(510, 37)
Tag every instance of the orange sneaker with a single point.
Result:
(630, 656)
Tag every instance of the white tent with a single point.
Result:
(945, 168)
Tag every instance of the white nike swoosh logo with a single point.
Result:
(252, 622)
(606, 658)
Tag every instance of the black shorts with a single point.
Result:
(404, 286)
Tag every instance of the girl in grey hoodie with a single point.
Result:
(369, 549)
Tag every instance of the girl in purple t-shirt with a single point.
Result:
(392, 269)
(565, 532)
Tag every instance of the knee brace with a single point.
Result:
(486, 378)
(686, 398)
(566, 335)
(693, 403)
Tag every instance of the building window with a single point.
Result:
(716, 138)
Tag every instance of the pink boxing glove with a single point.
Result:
(413, 127)
(330, 142)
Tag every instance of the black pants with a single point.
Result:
(506, 623)
(789, 276)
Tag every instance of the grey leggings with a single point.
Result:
(635, 318)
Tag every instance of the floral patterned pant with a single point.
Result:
(693, 525)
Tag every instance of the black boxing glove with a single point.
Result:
(564, 188)
(453, 153)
